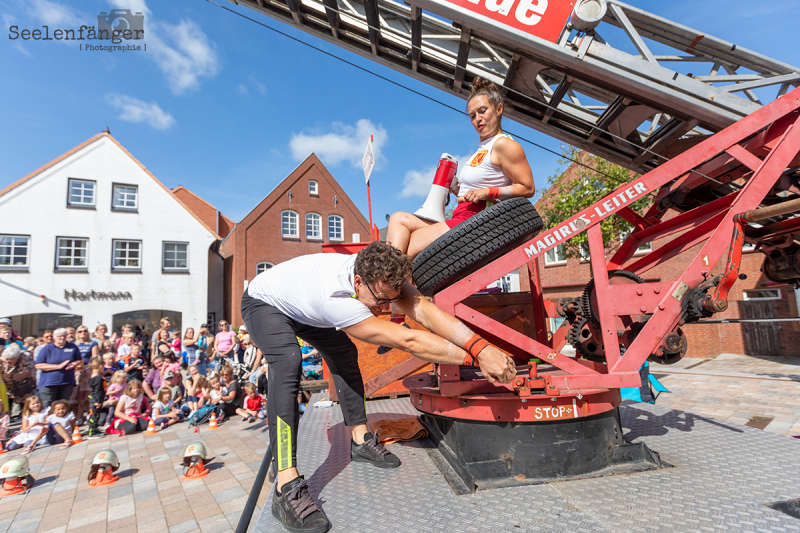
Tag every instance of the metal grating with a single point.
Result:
(724, 477)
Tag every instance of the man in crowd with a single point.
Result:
(58, 362)
(322, 298)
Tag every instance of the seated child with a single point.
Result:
(170, 381)
(253, 404)
(215, 394)
(34, 425)
(164, 411)
(175, 342)
(61, 424)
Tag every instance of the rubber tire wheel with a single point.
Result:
(475, 243)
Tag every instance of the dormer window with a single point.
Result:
(313, 188)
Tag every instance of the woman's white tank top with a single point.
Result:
(479, 172)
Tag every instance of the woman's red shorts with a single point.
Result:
(466, 210)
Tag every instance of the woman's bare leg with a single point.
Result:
(423, 237)
(401, 226)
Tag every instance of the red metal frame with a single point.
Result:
(760, 146)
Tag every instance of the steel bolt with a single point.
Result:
(643, 309)
(661, 307)
(656, 290)
(523, 401)
(639, 292)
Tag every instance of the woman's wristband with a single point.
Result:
(494, 192)
(474, 345)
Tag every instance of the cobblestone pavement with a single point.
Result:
(150, 496)
(736, 388)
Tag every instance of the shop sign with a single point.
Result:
(92, 295)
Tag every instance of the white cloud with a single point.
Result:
(135, 110)
(182, 52)
(418, 182)
(57, 15)
(260, 87)
(344, 144)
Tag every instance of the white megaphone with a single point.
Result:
(433, 208)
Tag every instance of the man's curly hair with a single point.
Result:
(381, 262)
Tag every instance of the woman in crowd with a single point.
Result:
(226, 340)
(101, 332)
(18, 375)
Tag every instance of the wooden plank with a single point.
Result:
(402, 370)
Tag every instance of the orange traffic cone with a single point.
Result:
(76, 436)
(104, 477)
(151, 428)
(212, 423)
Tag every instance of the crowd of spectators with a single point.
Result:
(72, 377)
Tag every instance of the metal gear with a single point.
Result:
(586, 340)
(586, 299)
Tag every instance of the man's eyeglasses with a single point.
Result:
(383, 301)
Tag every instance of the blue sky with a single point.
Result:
(228, 109)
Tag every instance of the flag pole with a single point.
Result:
(369, 203)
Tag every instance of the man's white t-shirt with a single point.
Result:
(316, 290)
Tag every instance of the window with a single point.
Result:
(312, 188)
(126, 197)
(127, 255)
(72, 254)
(289, 224)
(176, 256)
(263, 267)
(313, 226)
(555, 256)
(81, 193)
(14, 250)
(335, 228)
(762, 294)
(643, 249)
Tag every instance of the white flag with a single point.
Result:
(368, 160)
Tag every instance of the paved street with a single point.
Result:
(150, 497)
(736, 388)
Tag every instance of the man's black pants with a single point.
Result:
(275, 334)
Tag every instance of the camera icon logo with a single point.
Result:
(120, 20)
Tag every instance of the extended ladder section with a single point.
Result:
(628, 86)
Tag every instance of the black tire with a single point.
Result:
(474, 243)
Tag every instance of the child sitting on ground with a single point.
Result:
(97, 395)
(34, 425)
(216, 394)
(164, 412)
(252, 405)
(61, 424)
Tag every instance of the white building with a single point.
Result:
(93, 237)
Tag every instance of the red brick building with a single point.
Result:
(306, 210)
(754, 297)
(206, 212)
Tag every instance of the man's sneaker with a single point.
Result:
(385, 349)
(296, 510)
(373, 452)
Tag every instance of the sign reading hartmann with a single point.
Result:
(92, 295)
(542, 18)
